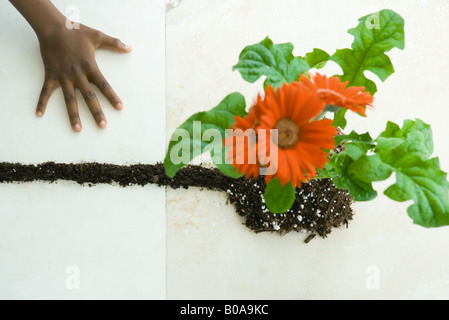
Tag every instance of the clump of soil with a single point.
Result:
(319, 206)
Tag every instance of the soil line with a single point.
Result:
(318, 208)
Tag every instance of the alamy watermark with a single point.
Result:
(373, 21)
(73, 17)
(243, 146)
(372, 281)
(73, 280)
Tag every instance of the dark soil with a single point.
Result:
(319, 206)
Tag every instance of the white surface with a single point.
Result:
(137, 77)
(210, 255)
(115, 236)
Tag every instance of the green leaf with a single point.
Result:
(296, 67)
(363, 167)
(356, 145)
(424, 183)
(405, 151)
(418, 177)
(376, 34)
(204, 132)
(278, 198)
(340, 118)
(358, 189)
(275, 61)
(416, 135)
(339, 169)
(357, 138)
(341, 166)
(317, 58)
(355, 150)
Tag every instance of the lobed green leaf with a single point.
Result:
(405, 151)
(219, 118)
(418, 176)
(275, 61)
(375, 35)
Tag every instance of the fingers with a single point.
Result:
(100, 81)
(82, 83)
(72, 107)
(114, 44)
(92, 102)
(47, 89)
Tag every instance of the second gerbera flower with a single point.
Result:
(337, 93)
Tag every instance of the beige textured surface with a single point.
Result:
(210, 254)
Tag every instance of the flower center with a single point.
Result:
(288, 133)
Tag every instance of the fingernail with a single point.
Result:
(102, 124)
(127, 47)
(39, 114)
(119, 106)
(77, 127)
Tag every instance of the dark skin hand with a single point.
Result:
(69, 60)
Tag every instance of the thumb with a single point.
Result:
(114, 44)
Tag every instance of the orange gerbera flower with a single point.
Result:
(334, 92)
(300, 144)
(243, 144)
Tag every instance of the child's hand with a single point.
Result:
(69, 60)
